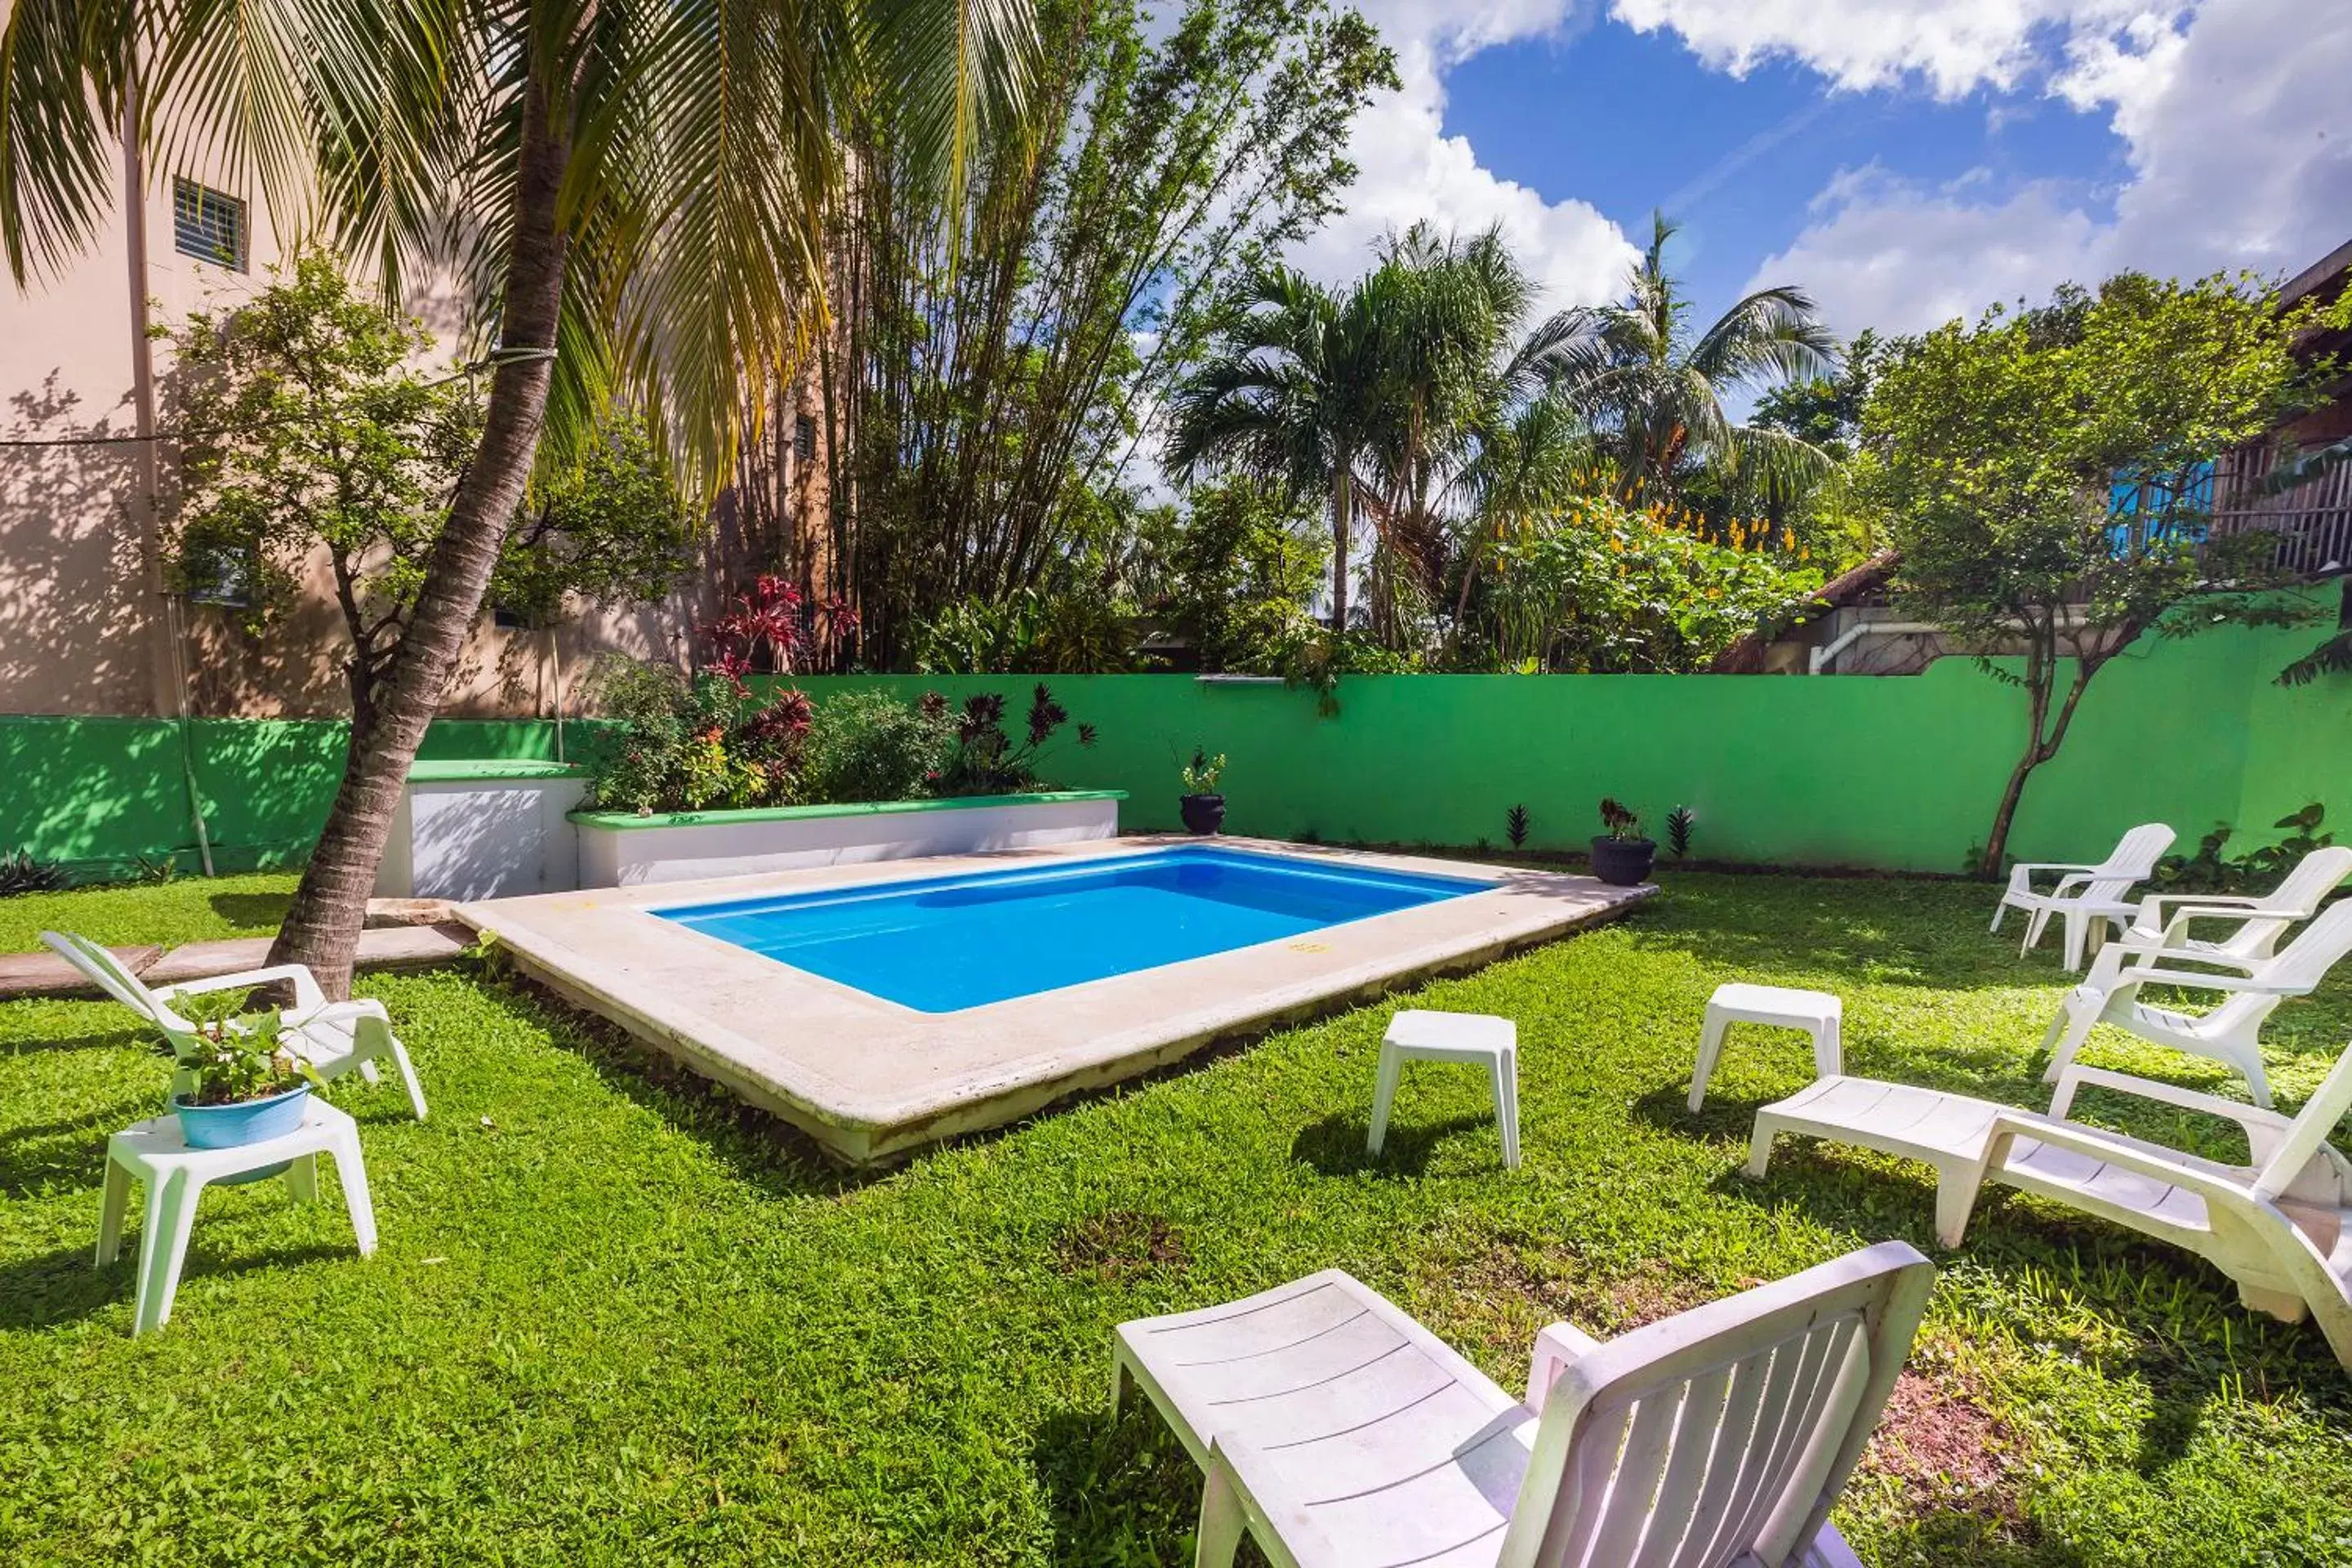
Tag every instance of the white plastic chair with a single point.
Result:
(2231, 1033)
(334, 1037)
(1339, 1433)
(2165, 921)
(2280, 1226)
(2084, 896)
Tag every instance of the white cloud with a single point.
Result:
(1954, 46)
(1409, 169)
(2237, 130)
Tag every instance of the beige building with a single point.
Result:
(87, 625)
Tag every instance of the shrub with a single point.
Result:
(20, 873)
(868, 745)
(695, 745)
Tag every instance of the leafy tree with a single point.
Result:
(309, 419)
(1000, 358)
(580, 166)
(608, 527)
(1600, 588)
(306, 420)
(1653, 390)
(2045, 475)
(1293, 396)
(1825, 411)
(1244, 568)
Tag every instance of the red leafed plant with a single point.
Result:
(777, 619)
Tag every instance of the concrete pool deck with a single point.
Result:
(871, 1080)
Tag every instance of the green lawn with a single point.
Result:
(616, 1319)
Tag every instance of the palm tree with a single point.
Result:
(1293, 394)
(635, 190)
(1653, 393)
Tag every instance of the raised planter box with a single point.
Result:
(618, 850)
(489, 829)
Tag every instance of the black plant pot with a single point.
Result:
(1203, 813)
(1623, 862)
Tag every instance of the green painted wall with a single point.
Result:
(1900, 773)
(101, 794)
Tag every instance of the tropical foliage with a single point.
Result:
(2045, 474)
(311, 418)
(615, 220)
(999, 356)
(1603, 589)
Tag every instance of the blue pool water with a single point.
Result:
(946, 943)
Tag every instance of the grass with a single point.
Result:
(185, 909)
(617, 1319)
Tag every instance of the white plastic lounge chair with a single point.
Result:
(2084, 896)
(334, 1037)
(2230, 1033)
(1340, 1434)
(2165, 921)
(2281, 1227)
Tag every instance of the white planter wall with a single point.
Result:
(477, 831)
(626, 854)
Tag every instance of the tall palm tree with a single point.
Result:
(1654, 391)
(1293, 394)
(635, 188)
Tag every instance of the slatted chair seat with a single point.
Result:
(2277, 1225)
(1339, 1431)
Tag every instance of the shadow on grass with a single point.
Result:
(253, 911)
(1335, 1144)
(130, 1036)
(71, 1151)
(1123, 1493)
(62, 1286)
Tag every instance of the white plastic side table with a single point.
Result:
(1418, 1035)
(1817, 1013)
(154, 1153)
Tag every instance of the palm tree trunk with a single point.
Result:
(322, 928)
(1343, 522)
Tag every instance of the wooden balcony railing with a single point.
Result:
(2312, 520)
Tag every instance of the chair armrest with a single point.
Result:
(2253, 1119)
(306, 987)
(2020, 876)
(2152, 975)
(1245, 1468)
(2006, 1128)
(1558, 1348)
(336, 1011)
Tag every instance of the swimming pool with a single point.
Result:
(943, 945)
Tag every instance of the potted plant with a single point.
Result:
(236, 1085)
(1621, 857)
(1203, 808)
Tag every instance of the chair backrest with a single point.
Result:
(2317, 948)
(2309, 1133)
(2136, 854)
(106, 972)
(1723, 1435)
(2315, 877)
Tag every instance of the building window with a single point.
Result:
(804, 439)
(208, 225)
(219, 577)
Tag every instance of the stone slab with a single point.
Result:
(43, 973)
(398, 947)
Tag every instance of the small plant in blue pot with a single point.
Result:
(234, 1084)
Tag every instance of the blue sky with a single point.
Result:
(1906, 159)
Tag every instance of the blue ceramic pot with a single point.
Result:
(249, 1122)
